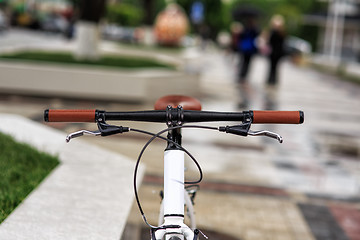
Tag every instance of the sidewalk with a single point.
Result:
(308, 159)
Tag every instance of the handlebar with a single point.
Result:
(174, 118)
(175, 114)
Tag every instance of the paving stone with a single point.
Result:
(322, 223)
(349, 219)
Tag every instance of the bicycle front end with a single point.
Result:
(177, 113)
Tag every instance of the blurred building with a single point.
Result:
(339, 29)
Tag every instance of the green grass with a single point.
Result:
(155, 48)
(22, 168)
(106, 61)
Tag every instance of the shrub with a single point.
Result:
(124, 14)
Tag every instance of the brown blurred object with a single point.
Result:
(171, 25)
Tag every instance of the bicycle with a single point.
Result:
(175, 111)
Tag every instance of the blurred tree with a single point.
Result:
(124, 14)
(292, 14)
(146, 10)
(215, 16)
(90, 12)
(293, 11)
(158, 7)
(149, 11)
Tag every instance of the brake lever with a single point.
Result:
(81, 133)
(244, 130)
(267, 134)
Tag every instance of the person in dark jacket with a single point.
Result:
(276, 45)
(247, 48)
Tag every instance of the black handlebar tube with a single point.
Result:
(185, 116)
(176, 116)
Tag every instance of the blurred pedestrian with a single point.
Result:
(276, 42)
(70, 29)
(232, 49)
(247, 47)
(204, 32)
(236, 28)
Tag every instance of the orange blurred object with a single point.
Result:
(171, 25)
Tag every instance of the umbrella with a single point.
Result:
(245, 12)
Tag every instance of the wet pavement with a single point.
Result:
(253, 188)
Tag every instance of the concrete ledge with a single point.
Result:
(353, 69)
(325, 61)
(94, 83)
(88, 196)
(347, 69)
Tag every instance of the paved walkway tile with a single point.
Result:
(349, 219)
(322, 223)
(259, 214)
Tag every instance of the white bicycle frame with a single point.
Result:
(175, 196)
(190, 211)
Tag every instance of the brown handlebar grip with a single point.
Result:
(62, 115)
(287, 117)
